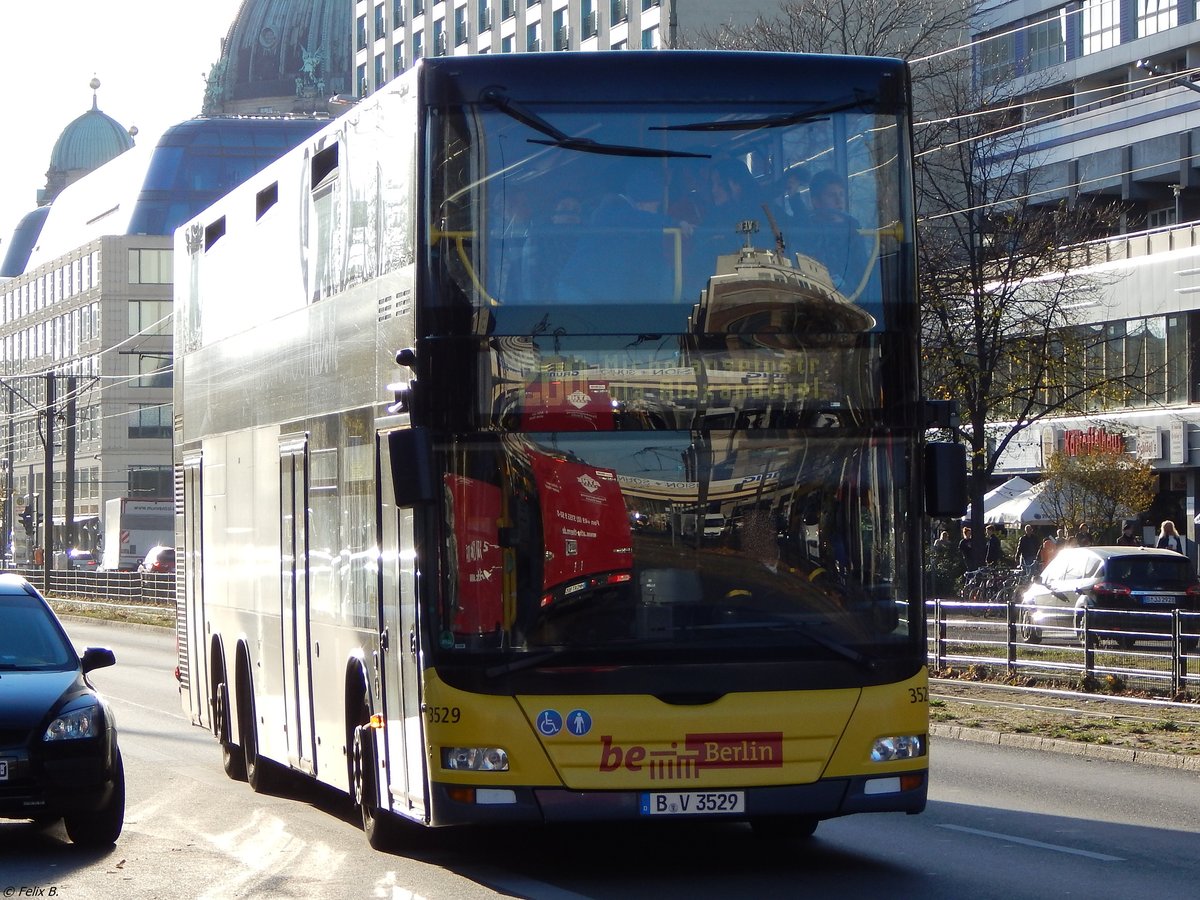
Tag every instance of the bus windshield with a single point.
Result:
(673, 213)
(681, 422)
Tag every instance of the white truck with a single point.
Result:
(132, 527)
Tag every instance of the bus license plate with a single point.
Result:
(3, 770)
(693, 803)
(1158, 598)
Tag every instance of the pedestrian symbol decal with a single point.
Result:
(579, 722)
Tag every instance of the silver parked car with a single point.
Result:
(1118, 586)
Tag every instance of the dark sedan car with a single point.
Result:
(59, 757)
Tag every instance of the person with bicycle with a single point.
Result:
(993, 553)
(1028, 552)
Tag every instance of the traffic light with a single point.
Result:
(26, 518)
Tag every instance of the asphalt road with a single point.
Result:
(1002, 823)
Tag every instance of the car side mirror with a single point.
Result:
(97, 658)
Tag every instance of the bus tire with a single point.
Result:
(784, 828)
(232, 759)
(377, 823)
(260, 772)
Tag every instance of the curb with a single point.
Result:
(1071, 748)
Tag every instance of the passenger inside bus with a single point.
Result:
(832, 236)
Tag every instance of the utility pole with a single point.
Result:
(48, 492)
(10, 509)
(69, 474)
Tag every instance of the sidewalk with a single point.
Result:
(1118, 729)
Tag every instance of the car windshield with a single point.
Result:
(30, 638)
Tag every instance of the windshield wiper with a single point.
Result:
(793, 627)
(528, 661)
(816, 114)
(567, 142)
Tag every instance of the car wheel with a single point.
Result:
(784, 828)
(1029, 632)
(102, 827)
(364, 772)
(1093, 639)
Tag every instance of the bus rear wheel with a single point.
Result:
(232, 759)
(261, 773)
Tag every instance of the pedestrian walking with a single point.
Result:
(1169, 538)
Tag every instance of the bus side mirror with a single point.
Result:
(410, 453)
(945, 480)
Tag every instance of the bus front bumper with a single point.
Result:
(826, 799)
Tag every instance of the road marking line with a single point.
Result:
(1013, 839)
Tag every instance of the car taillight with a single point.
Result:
(1193, 592)
(1113, 587)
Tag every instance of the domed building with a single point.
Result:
(84, 146)
(283, 57)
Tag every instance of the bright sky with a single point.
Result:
(150, 56)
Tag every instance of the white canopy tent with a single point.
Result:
(1012, 488)
(1023, 509)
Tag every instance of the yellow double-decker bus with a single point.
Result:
(549, 447)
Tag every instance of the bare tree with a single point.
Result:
(1001, 284)
(906, 29)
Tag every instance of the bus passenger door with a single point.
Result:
(398, 667)
(294, 611)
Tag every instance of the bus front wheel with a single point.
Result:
(364, 782)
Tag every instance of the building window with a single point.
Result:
(1047, 40)
(418, 7)
(650, 4)
(151, 421)
(380, 22)
(997, 58)
(418, 50)
(364, 87)
(618, 11)
(507, 9)
(506, 44)
(439, 38)
(485, 15)
(397, 59)
(150, 267)
(587, 18)
(361, 33)
(650, 38)
(150, 370)
(460, 25)
(150, 481)
(1156, 15)
(380, 71)
(145, 317)
(1101, 25)
(397, 14)
(533, 37)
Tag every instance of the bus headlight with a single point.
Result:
(476, 759)
(904, 746)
